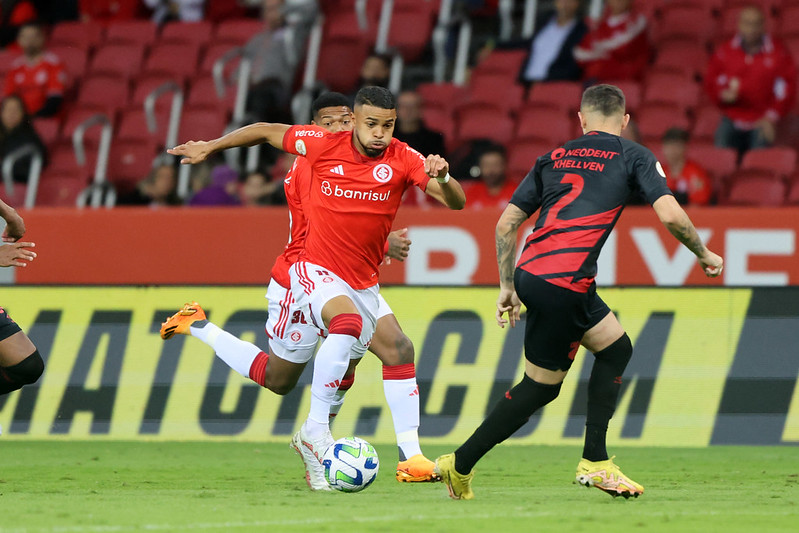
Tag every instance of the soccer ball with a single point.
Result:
(350, 464)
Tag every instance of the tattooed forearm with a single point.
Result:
(506, 235)
(685, 232)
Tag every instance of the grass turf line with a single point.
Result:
(183, 486)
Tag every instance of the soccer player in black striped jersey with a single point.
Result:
(579, 190)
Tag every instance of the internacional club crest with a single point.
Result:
(383, 173)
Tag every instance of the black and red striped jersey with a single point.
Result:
(581, 189)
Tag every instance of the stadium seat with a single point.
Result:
(495, 89)
(201, 124)
(632, 94)
(48, 129)
(129, 163)
(665, 88)
(62, 164)
(74, 60)
(118, 60)
(195, 34)
(685, 21)
(788, 25)
(755, 189)
(344, 24)
(133, 127)
(444, 95)
(214, 52)
(707, 121)
(780, 160)
(441, 120)
(411, 28)
(141, 32)
(202, 93)
(147, 83)
(81, 35)
(75, 118)
(719, 162)
(655, 119)
(178, 60)
(337, 75)
(523, 154)
(236, 32)
(563, 94)
(18, 196)
(103, 93)
(508, 62)
(550, 126)
(484, 123)
(683, 56)
(792, 43)
(793, 194)
(59, 191)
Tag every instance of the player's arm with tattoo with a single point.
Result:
(507, 233)
(679, 224)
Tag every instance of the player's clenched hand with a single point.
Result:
(712, 264)
(191, 152)
(508, 302)
(15, 228)
(15, 254)
(436, 166)
(398, 245)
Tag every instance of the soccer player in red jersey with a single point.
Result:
(20, 362)
(580, 190)
(358, 180)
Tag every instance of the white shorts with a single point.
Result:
(382, 308)
(291, 335)
(313, 286)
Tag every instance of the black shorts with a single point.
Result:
(7, 326)
(557, 319)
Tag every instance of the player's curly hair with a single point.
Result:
(329, 99)
(376, 96)
(607, 99)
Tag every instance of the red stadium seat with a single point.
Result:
(411, 28)
(49, 130)
(59, 191)
(133, 127)
(654, 120)
(664, 88)
(444, 95)
(337, 75)
(178, 60)
(685, 21)
(441, 120)
(236, 31)
(74, 60)
(755, 189)
(508, 62)
(793, 194)
(81, 35)
(214, 52)
(632, 94)
(496, 89)
(779, 160)
(789, 22)
(201, 124)
(118, 60)
(707, 121)
(103, 93)
(75, 118)
(129, 163)
(18, 196)
(523, 154)
(563, 94)
(719, 162)
(62, 164)
(195, 34)
(550, 126)
(682, 56)
(484, 123)
(148, 83)
(202, 93)
(141, 32)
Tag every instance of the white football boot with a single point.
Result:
(311, 451)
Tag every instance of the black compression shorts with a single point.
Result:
(557, 319)
(7, 326)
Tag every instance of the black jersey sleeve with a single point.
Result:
(646, 171)
(527, 195)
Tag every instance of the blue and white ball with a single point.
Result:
(351, 464)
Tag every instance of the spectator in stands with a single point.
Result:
(13, 14)
(376, 70)
(257, 190)
(686, 178)
(275, 54)
(37, 76)
(158, 189)
(109, 10)
(494, 188)
(617, 46)
(17, 131)
(176, 10)
(551, 50)
(752, 79)
(411, 128)
(221, 191)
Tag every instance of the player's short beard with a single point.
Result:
(373, 152)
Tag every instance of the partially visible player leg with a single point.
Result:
(612, 350)
(346, 384)
(395, 351)
(20, 362)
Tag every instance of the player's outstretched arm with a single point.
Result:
(15, 226)
(445, 188)
(507, 233)
(677, 222)
(261, 132)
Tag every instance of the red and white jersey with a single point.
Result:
(353, 200)
(297, 185)
(35, 82)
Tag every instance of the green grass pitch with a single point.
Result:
(68, 486)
